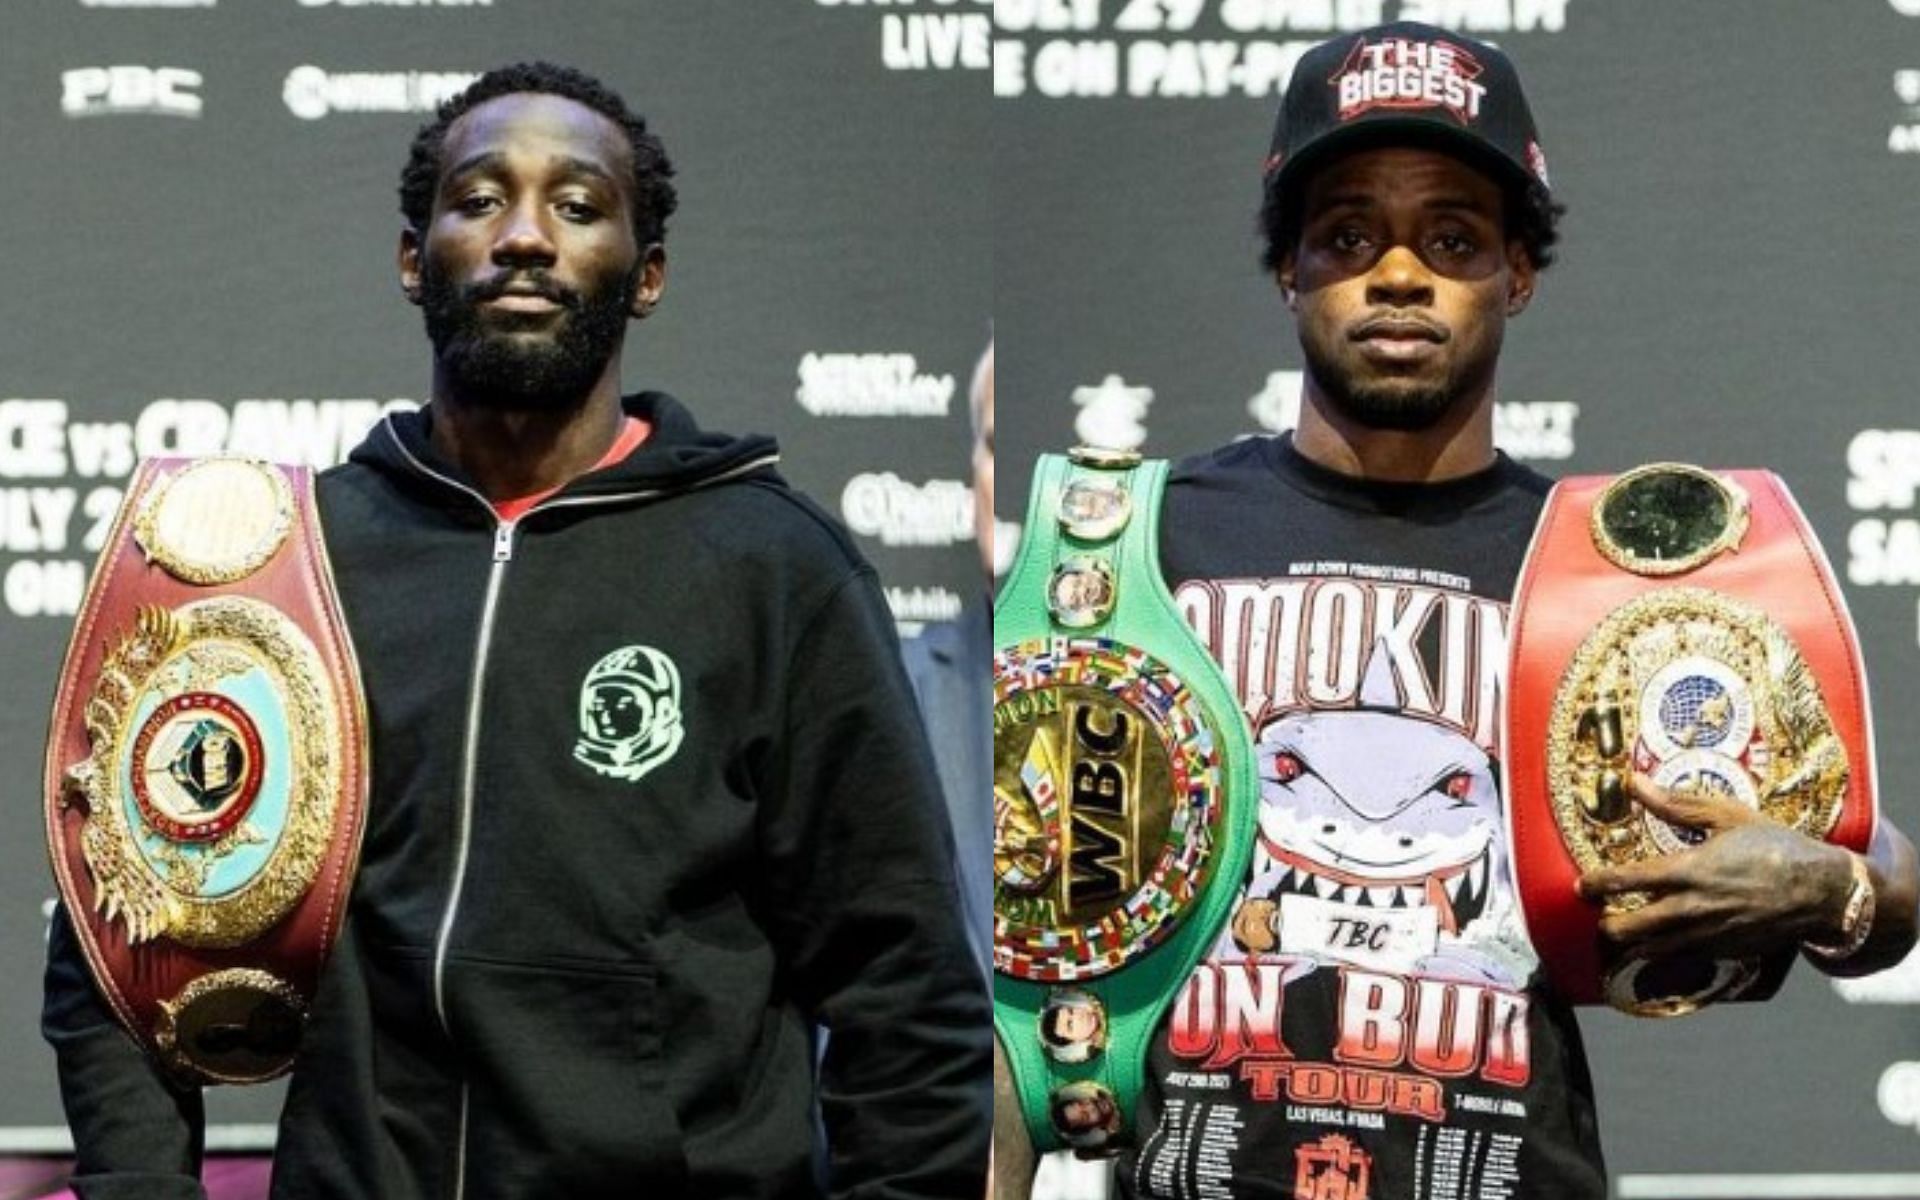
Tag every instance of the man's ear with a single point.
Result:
(407, 258)
(1521, 276)
(653, 281)
(1284, 276)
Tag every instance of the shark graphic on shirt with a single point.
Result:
(1381, 843)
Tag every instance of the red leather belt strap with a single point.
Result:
(1567, 589)
(206, 774)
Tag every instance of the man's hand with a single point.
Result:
(1753, 887)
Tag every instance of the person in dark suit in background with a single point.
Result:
(948, 667)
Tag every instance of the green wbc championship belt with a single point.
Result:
(1124, 797)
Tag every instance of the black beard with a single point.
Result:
(488, 365)
(1406, 409)
(1389, 404)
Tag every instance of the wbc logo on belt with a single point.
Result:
(1080, 738)
(1106, 799)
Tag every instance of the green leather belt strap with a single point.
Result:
(1125, 798)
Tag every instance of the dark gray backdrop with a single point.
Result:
(1738, 285)
(224, 235)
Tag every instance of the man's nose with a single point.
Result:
(523, 238)
(1399, 279)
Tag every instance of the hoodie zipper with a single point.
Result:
(469, 757)
(470, 747)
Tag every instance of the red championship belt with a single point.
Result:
(206, 772)
(1684, 624)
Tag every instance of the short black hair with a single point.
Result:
(1532, 215)
(653, 196)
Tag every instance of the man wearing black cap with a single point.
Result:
(1372, 1022)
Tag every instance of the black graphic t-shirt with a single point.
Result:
(1370, 1024)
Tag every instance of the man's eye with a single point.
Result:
(578, 210)
(1348, 240)
(476, 204)
(1454, 245)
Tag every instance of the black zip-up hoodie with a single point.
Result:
(650, 799)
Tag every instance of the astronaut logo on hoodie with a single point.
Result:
(630, 713)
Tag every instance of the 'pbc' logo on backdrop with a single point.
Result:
(1397, 73)
(98, 91)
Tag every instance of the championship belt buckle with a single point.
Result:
(1683, 624)
(1123, 798)
(206, 771)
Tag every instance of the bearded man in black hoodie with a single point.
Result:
(649, 798)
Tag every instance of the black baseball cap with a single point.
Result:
(1405, 84)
